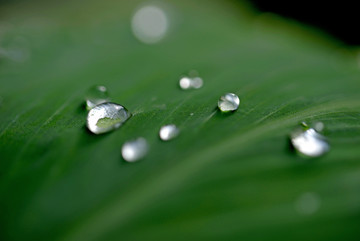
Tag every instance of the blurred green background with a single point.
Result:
(226, 177)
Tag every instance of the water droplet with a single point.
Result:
(308, 203)
(168, 132)
(149, 24)
(308, 142)
(134, 150)
(197, 82)
(228, 102)
(319, 126)
(106, 117)
(96, 95)
(185, 83)
(192, 81)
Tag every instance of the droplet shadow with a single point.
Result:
(88, 138)
(81, 109)
(222, 115)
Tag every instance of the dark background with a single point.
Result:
(338, 18)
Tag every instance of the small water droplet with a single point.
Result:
(168, 132)
(197, 82)
(149, 24)
(192, 81)
(185, 83)
(228, 102)
(96, 95)
(308, 142)
(134, 150)
(106, 117)
(308, 203)
(319, 126)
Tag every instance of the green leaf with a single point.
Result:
(225, 177)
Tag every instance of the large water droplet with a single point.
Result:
(96, 95)
(228, 102)
(106, 117)
(134, 150)
(149, 24)
(308, 142)
(168, 132)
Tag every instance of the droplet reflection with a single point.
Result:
(96, 95)
(149, 24)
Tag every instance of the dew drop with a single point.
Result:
(319, 126)
(168, 132)
(134, 150)
(308, 142)
(185, 83)
(106, 117)
(149, 24)
(228, 102)
(191, 81)
(96, 95)
(197, 83)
